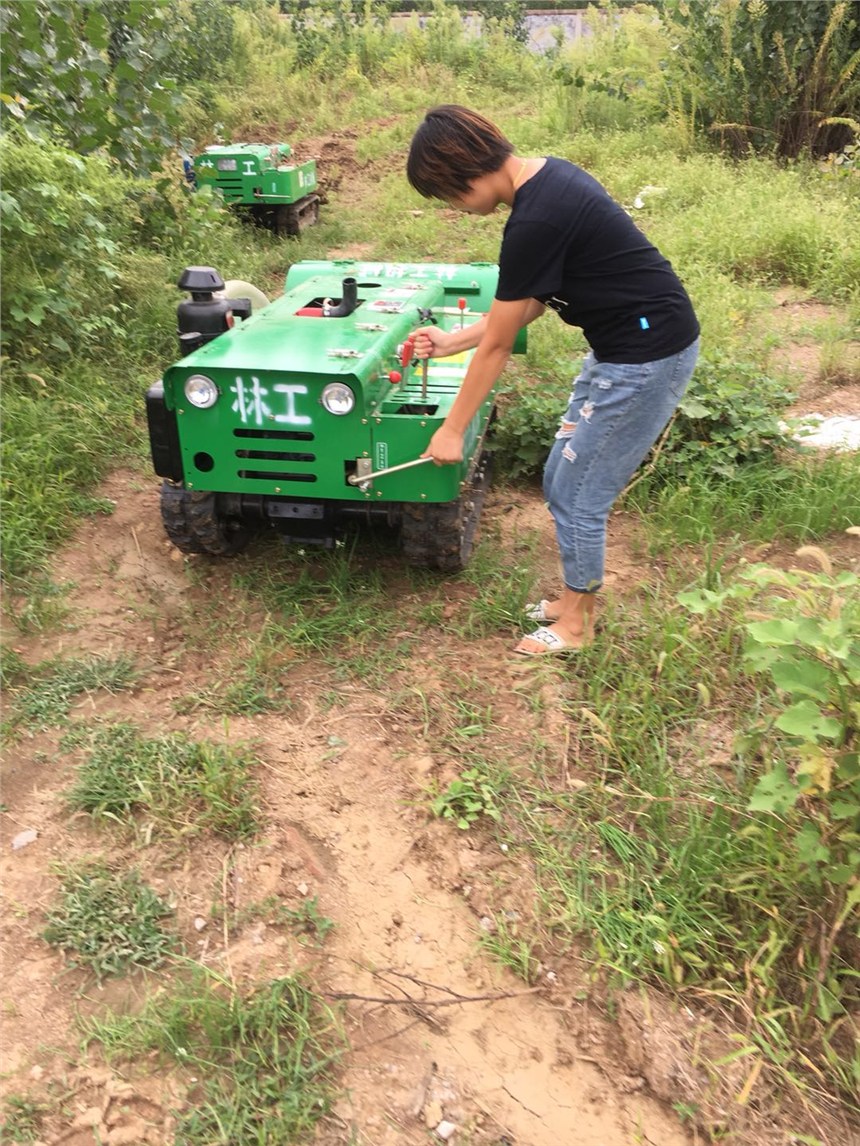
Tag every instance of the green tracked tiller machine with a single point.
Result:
(310, 411)
(264, 180)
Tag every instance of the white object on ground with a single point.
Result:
(839, 432)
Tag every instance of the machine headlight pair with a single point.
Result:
(202, 393)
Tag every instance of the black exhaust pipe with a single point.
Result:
(347, 304)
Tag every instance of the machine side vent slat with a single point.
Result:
(276, 435)
(272, 475)
(275, 456)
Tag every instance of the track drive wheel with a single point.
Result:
(194, 525)
(441, 535)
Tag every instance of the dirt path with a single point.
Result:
(348, 825)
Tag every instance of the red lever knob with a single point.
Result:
(407, 352)
(394, 376)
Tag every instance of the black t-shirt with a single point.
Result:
(568, 244)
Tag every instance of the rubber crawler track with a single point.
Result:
(192, 523)
(441, 536)
(292, 218)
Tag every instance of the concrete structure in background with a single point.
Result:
(542, 26)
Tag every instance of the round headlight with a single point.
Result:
(338, 398)
(201, 391)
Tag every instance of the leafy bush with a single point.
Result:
(64, 220)
(803, 637)
(201, 42)
(92, 74)
(728, 418)
(524, 433)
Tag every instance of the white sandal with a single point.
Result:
(538, 613)
(552, 642)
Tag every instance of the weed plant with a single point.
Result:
(265, 1058)
(23, 1119)
(107, 921)
(305, 921)
(171, 784)
(504, 943)
(334, 605)
(500, 583)
(672, 854)
(52, 687)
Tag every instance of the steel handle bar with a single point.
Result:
(355, 479)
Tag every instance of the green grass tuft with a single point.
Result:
(108, 922)
(264, 1058)
(180, 786)
(46, 701)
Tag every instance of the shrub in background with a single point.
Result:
(728, 418)
(92, 73)
(781, 78)
(64, 221)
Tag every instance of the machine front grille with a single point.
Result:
(276, 435)
(275, 455)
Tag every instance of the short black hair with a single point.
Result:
(452, 147)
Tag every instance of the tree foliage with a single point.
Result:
(92, 74)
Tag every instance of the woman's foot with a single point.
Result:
(550, 640)
(569, 621)
(544, 612)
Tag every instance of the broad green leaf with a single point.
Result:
(805, 719)
(775, 792)
(844, 809)
(804, 676)
(694, 408)
(775, 632)
(810, 849)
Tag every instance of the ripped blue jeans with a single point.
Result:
(616, 413)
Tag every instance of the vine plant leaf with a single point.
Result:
(775, 792)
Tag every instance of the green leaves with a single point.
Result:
(778, 78)
(108, 921)
(806, 721)
(90, 73)
(808, 647)
(467, 799)
(775, 792)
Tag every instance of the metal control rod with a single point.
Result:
(355, 479)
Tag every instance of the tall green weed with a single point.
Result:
(779, 79)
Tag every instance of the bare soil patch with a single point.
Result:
(800, 355)
(348, 825)
(346, 789)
